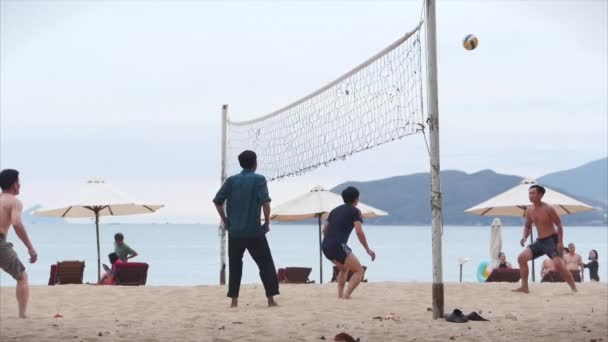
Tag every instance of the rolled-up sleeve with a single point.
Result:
(263, 195)
(223, 193)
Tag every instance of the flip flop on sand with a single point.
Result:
(456, 317)
(345, 337)
(474, 316)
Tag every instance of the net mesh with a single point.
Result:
(377, 102)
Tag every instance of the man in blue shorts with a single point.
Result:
(336, 231)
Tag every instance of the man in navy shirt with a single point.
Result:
(245, 194)
(336, 231)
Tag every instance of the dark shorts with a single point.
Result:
(337, 252)
(9, 261)
(546, 246)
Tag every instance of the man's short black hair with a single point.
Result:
(538, 188)
(248, 159)
(8, 177)
(113, 257)
(350, 195)
(119, 237)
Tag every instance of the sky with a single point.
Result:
(131, 92)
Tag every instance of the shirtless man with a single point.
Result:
(549, 241)
(574, 262)
(10, 214)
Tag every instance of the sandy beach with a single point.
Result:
(306, 313)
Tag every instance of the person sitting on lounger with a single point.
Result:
(109, 278)
(124, 251)
(503, 261)
(547, 267)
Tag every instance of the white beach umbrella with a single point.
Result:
(515, 201)
(317, 203)
(495, 243)
(94, 199)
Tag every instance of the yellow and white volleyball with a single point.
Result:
(470, 42)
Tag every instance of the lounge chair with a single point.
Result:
(505, 275)
(297, 275)
(131, 273)
(556, 277)
(67, 272)
(334, 277)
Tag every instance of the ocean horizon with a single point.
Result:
(188, 254)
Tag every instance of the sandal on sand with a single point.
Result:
(474, 316)
(345, 337)
(456, 317)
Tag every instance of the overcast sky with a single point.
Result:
(132, 91)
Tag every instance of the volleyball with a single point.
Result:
(470, 42)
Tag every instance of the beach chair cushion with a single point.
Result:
(281, 275)
(53, 275)
(131, 273)
(297, 275)
(69, 272)
(507, 275)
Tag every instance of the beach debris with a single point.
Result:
(99, 334)
(55, 325)
(452, 338)
(345, 337)
(223, 327)
(429, 309)
(237, 322)
(323, 338)
(57, 315)
(511, 317)
(390, 317)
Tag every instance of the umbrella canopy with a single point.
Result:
(514, 202)
(317, 203)
(94, 199)
(495, 242)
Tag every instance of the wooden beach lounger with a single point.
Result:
(131, 273)
(67, 272)
(556, 277)
(297, 275)
(505, 275)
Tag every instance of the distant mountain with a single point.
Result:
(589, 180)
(29, 217)
(407, 198)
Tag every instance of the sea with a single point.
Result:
(189, 254)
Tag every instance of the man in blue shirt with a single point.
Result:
(245, 194)
(340, 224)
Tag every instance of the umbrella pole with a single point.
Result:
(98, 259)
(320, 255)
(532, 241)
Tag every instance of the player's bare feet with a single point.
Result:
(271, 302)
(235, 303)
(522, 290)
